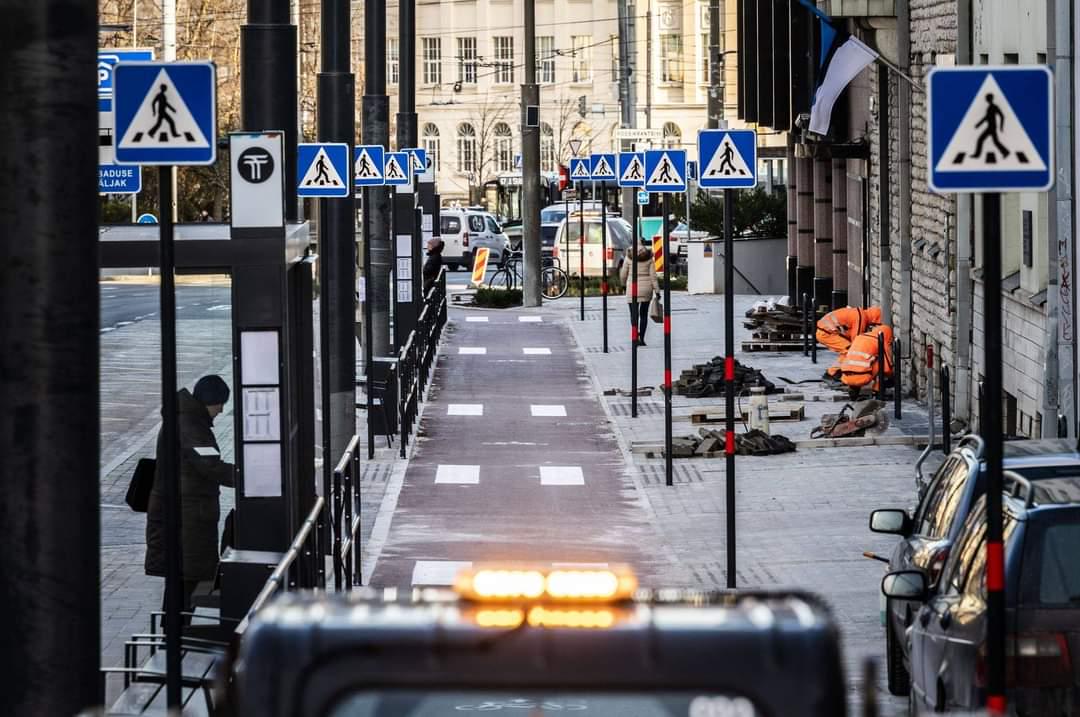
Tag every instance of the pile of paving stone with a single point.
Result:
(707, 379)
(710, 443)
(775, 320)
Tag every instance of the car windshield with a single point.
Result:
(493, 226)
(592, 231)
(1052, 562)
(554, 213)
(439, 703)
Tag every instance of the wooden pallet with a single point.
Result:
(758, 346)
(777, 412)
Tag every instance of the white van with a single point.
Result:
(620, 235)
(466, 230)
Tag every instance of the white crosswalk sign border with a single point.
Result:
(653, 160)
(338, 155)
(742, 142)
(375, 154)
(951, 94)
(602, 167)
(134, 86)
(629, 158)
(404, 162)
(580, 176)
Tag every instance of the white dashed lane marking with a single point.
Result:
(471, 350)
(461, 475)
(437, 572)
(561, 475)
(536, 351)
(465, 409)
(548, 410)
(476, 319)
(530, 319)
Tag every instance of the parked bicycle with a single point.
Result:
(553, 280)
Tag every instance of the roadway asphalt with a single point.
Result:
(125, 303)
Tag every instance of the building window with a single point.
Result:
(432, 47)
(672, 135)
(545, 60)
(504, 56)
(580, 70)
(430, 142)
(466, 60)
(466, 147)
(392, 61)
(504, 147)
(547, 148)
(671, 58)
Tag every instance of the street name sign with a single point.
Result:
(165, 113)
(665, 170)
(728, 158)
(119, 179)
(321, 170)
(368, 165)
(635, 133)
(631, 169)
(990, 129)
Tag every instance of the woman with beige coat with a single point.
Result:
(647, 284)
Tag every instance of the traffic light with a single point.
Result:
(581, 106)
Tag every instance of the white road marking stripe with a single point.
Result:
(469, 475)
(583, 566)
(437, 572)
(465, 409)
(471, 350)
(548, 410)
(536, 351)
(530, 319)
(561, 475)
(476, 319)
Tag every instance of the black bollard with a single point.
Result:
(896, 359)
(881, 369)
(805, 325)
(946, 411)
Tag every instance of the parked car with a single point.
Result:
(566, 245)
(682, 233)
(466, 230)
(548, 232)
(928, 536)
(556, 212)
(1042, 594)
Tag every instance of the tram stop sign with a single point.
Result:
(990, 129)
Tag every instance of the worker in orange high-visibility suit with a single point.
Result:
(837, 329)
(859, 367)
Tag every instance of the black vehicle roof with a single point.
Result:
(1024, 454)
(780, 650)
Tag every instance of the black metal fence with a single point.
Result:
(417, 357)
(346, 518)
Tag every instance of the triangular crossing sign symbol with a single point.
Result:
(580, 172)
(990, 137)
(727, 162)
(635, 171)
(163, 120)
(665, 173)
(603, 169)
(322, 173)
(393, 169)
(365, 167)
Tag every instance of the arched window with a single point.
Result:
(466, 147)
(504, 147)
(429, 140)
(672, 135)
(547, 148)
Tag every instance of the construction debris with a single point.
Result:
(707, 379)
(710, 444)
(854, 420)
(775, 325)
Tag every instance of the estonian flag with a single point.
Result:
(842, 58)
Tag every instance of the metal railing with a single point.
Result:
(304, 545)
(417, 358)
(346, 526)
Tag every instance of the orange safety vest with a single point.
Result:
(849, 321)
(860, 361)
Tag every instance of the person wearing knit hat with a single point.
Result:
(202, 473)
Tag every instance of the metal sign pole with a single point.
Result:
(581, 244)
(729, 378)
(369, 355)
(169, 458)
(603, 261)
(668, 480)
(635, 307)
(991, 431)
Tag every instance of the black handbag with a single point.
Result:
(142, 482)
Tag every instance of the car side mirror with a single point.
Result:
(891, 521)
(905, 585)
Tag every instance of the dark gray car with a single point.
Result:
(929, 535)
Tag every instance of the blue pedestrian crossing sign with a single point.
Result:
(397, 168)
(728, 158)
(990, 129)
(602, 167)
(322, 169)
(165, 113)
(665, 170)
(368, 165)
(632, 169)
(419, 158)
(580, 169)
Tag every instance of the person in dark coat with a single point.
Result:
(202, 473)
(433, 264)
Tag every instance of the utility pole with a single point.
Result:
(49, 431)
(716, 79)
(337, 238)
(627, 94)
(530, 164)
(648, 65)
(407, 299)
(168, 53)
(375, 116)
